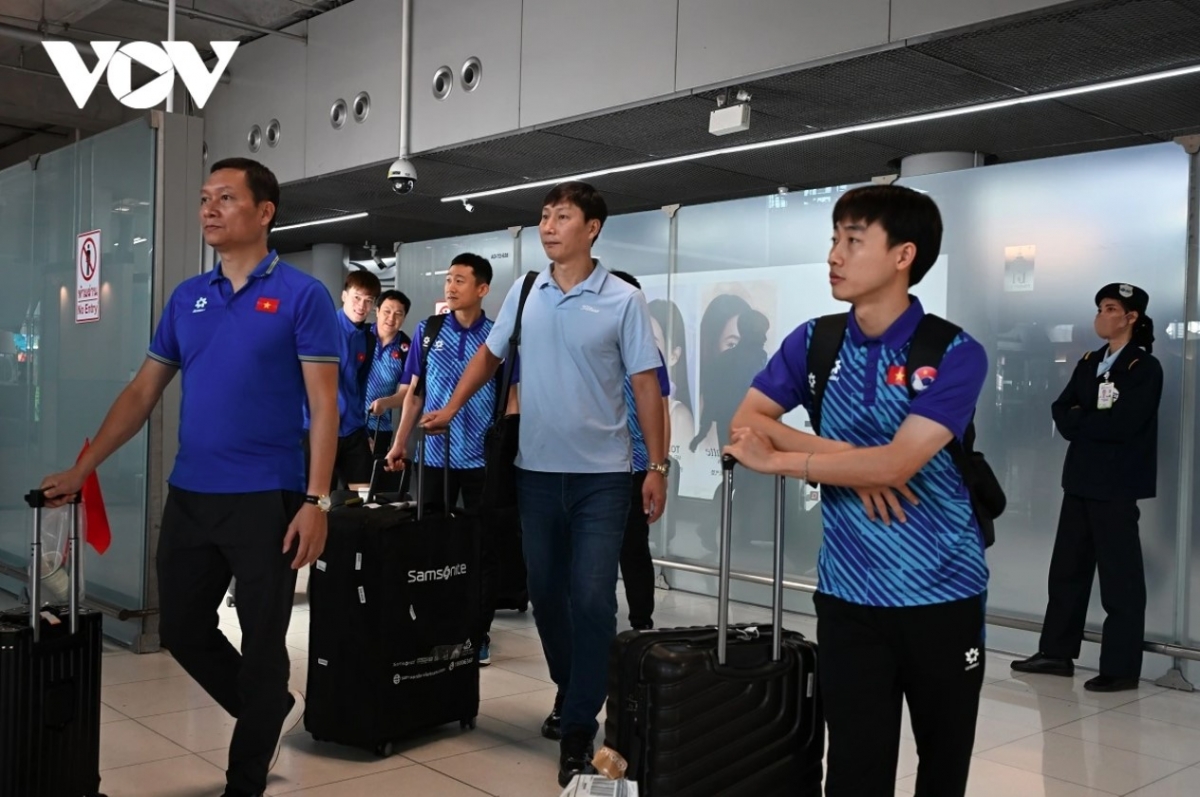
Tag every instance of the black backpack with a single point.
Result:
(929, 343)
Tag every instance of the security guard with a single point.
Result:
(1109, 414)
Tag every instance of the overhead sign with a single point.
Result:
(87, 277)
(115, 61)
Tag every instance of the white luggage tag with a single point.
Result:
(812, 496)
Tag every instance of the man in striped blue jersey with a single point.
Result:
(431, 373)
(637, 567)
(900, 605)
(384, 392)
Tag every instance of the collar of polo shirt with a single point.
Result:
(264, 268)
(899, 333)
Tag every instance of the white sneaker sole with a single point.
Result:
(289, 723)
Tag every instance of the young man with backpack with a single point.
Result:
(902, 574)
(445, 344)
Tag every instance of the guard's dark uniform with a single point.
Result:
(1110, 465)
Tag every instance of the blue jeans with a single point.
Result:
(573, 525)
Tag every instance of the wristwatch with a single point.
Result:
(322, 501)
(664, 468)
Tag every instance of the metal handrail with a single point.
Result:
(999, 620)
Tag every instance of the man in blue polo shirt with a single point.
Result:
(582, 333)
(384, 392)
(352, 465)
(255, 339)
(430, 383)
(900, 605)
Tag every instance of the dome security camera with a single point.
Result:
(403, 176)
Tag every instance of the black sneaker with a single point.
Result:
(232, 792)
(575, 757)
(552, 727)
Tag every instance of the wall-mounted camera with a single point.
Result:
(403, 176)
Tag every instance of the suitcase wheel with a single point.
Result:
(385, 750)
(468, 723)
(524, 607)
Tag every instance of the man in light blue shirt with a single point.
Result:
(583, 332)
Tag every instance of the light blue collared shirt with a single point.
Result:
(1107, 363)
(576, 350)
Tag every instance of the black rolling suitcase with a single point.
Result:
(719, 711)
(394, 622)
(50, 687)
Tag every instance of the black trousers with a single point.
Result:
(381, 441)
(873, 660)
(636, 568)
(352, 462)
(1097, 535)
(206, 539)
(466, 487)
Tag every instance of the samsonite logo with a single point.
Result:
(116, 61)
(441, 574)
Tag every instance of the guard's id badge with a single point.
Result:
(1107, 396)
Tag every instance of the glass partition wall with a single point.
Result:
(58, 375)
(1027, 246)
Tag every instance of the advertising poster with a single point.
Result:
(87, 277)
(717, 329)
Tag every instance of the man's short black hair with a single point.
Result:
(582, 196)
(907, 216)
(394, 295)
(261, 181)
(625, 275)
(479, 265)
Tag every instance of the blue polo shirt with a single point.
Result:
(387, 366)
(576, 350)
(241, 418)
(448, 358)
(937, 556)
(641, 457)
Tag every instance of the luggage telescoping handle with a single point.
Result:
(37, 501)
(726, 546)
(421, 443)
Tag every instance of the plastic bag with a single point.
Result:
(56, 540)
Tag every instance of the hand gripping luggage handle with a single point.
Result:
(726, 545)
(421, 474)
(37, 501)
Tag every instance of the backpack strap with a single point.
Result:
(433, 328)
(929, 343)
(514, 343)
(823, 348)
(364, 368)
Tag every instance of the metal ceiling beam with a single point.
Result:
(20, 34)
(193, 13)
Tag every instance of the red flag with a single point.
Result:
(95, 519)
(267, 305)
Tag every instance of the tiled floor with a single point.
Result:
(1037, 736)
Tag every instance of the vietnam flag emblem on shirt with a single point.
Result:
(267, 305)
